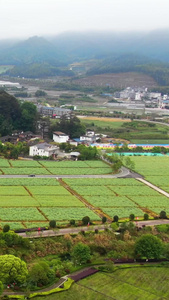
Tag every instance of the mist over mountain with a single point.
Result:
(113, 52)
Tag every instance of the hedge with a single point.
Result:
(67, 285)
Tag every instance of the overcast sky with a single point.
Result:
(25, 18)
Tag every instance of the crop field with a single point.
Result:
(150, 283)
(119, 196)
(48, 190)
(155, 170)
(28, 201)
(28, 181)
(103, 181)
(63, 201)
(21, 167)
(80, 171)
(67, 213)
(25, 171)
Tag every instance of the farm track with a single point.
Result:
(154, 187)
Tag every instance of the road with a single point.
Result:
(123, 173)
(75, 230)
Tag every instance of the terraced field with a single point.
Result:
(150, 283)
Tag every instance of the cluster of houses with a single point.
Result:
(45, 149)
(54, 112)
(139, 94)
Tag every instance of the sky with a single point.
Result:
(26, 18)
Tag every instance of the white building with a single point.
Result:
(60, 137)
(43, 149)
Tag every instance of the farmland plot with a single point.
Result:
(103, 181)
(61, 214)
(48, 190)
(24, 164)
(20, 201)
(28, 181)
(25, 171)
(64, 201)
(94, 190)
(65, 164)
(153, 201)
(21, 214)
(80, 171)
(122, 212)
(134, 190)
(13, 191)
(109, 201)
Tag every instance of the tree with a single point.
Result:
(71, 126)
(28, 116)
(41, 273)
(12, 269)
(1, 287)
(87, 153)
(52, 224)
(132, 217)
(115, 218)
(148, 246)
(86, 220)
(129, 163)
(146, 217)
(104, 219)
(72, 222)
(40, 93)
(6, 228)
(163, 215)
(81, 253)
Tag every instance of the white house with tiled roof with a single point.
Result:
(60, 137)
(43, 149)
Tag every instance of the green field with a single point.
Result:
(131, 131)
(21, 167)
(141, 283)
(28, 201)
(154, 169)
(4, 68)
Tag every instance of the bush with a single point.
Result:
(86, 220)
(132, 217)
(6, 228)
(52, 224)
(146, 217)
(72, 222)
(104, 219)
(163, 215)
(116, 218)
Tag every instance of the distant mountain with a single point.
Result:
(111, 52)
(33, 50)
(38, 70)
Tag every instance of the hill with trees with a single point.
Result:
(15, 115)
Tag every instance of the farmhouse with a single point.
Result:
(60, 137)
(43, 149)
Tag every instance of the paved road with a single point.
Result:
(76, 230)
(123, 173)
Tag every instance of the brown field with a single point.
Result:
(104, 119)
(121, 80)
